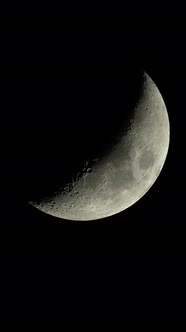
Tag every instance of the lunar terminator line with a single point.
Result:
(117, 180)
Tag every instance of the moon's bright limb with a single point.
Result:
(111, 184)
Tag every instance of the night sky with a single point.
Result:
(128, 266)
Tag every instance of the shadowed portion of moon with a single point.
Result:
(107, 152)
(80, 120)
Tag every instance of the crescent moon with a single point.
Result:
(112, 183)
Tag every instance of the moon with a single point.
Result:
(114, 181)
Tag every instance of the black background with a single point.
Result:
(131, 265)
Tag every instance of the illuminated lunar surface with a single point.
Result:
(117, 180)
